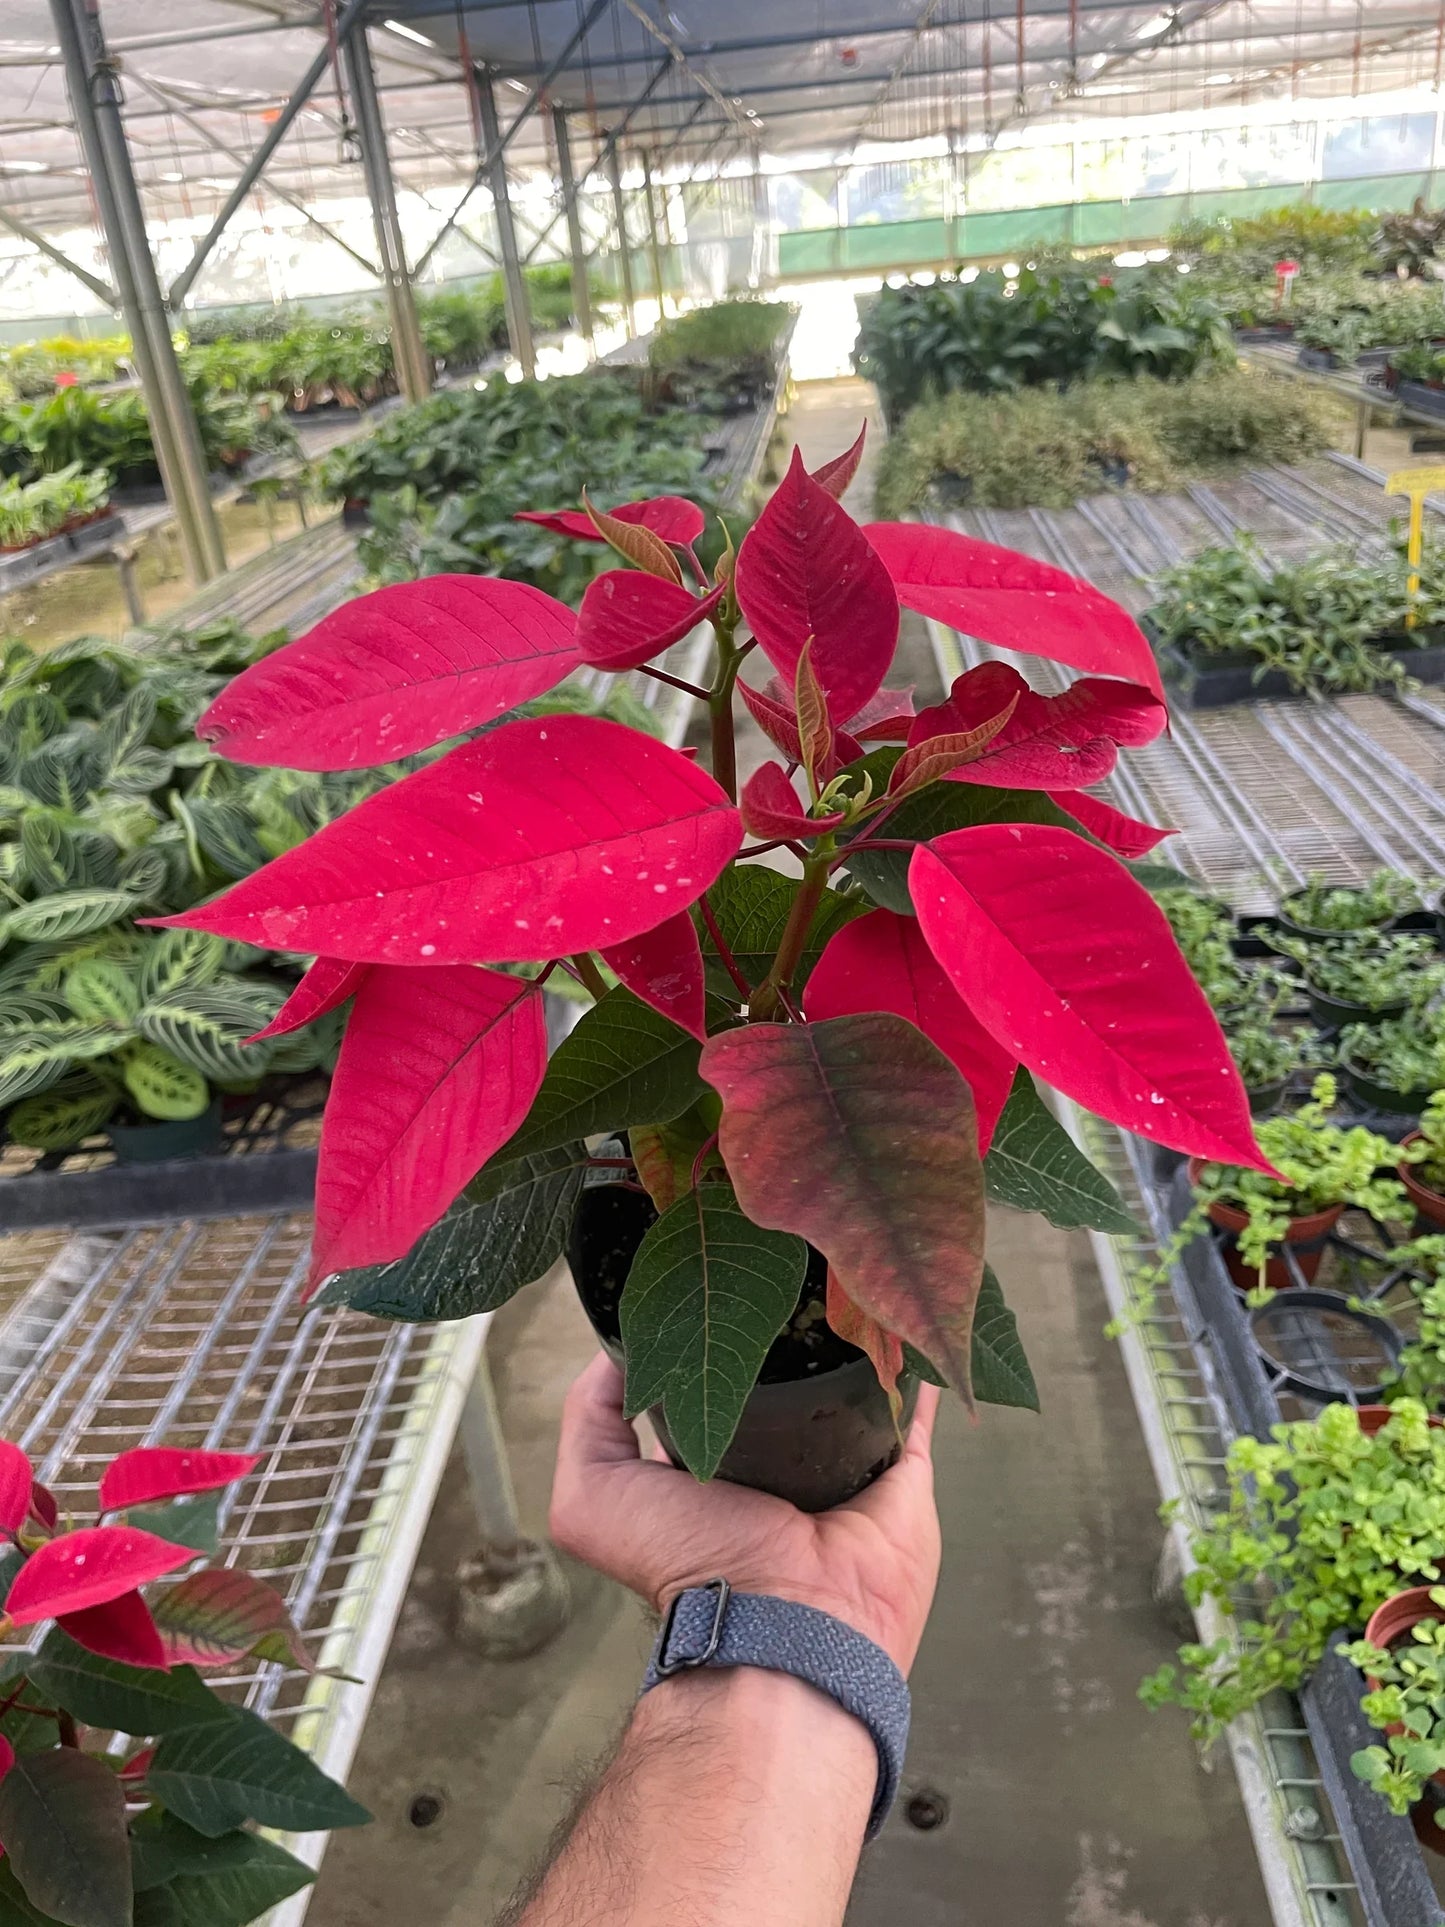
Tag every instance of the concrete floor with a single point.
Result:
(1068, 1804)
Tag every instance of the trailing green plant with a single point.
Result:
(1406, 1704)
(1430, 1148)
(1263, 1054)
(1322, 1524)
(32, 511)
(1420, 361)
(1404, 1054)
(1340, 908)
(1371, 969)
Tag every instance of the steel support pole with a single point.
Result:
(95, 102)
(102, 290)
(654, 249)
(514, 283)
(624, 253)
(413, 365)
(581, 292)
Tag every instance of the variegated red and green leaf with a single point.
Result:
(221, 1615)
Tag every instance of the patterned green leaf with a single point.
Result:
(507, 1228)
(750, 906)
(102, 992)
(69, 913)
(183, 1879)
(62, 1116)
(44, 849)
(179, 959)
(225, 833)
(32, 718)
(140, 1700)
(58, 773)
(122, 758)
(215, 1776)
(206, 1026)
(161, 1086)
(35, 1058)
(62, 1819)
(1035, 1165)
(708, 1293)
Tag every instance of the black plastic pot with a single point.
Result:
(1423, 397)
(1265, 1098)
(1320, 1347)
(1317, 359)
(814, 1437)
(1332, 1013)
(1380, 1097)
(160, 1139)
(1216, 681)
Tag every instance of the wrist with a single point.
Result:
(871, 1617)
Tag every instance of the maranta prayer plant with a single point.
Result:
(962, 909)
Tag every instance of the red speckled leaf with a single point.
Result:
(87, 1568)
(805, 569)
(395, 672)
(1125, 835)
(627, 618)
(1060, 742)
(771, 807)
(836, 476)
(885, 717)
(854, 1326)
(672, 517)
(1012, 601)
(779, 724)
(152, 1472)
(215, 1617)
(17, 1483)
(437, 1070)
(542, 838)
(881, 962)
(120, 1629)
(664, 968)
(1072, 967)
(635, 543)
(940, 756)
(327, 983)
(859, 1135)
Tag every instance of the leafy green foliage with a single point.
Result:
(1366, 968)
(1406, 1703)
(107, 1694)
(32, 511)
(1001, 1372)
(750, 906)
(215, 1776)
(62, 1818)
(184, 1879)
(1333, 907)
(720, 357)
(1034, 1165)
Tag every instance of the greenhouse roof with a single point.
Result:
(696, 82)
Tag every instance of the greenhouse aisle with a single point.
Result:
(1063, 1802)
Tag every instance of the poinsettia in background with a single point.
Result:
(840, 1056)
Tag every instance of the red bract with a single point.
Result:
(627, 618)
(540, 839)
(836, 476)
(885, 718)
(153, 1472)
(664, 968)
(395, 672)
(771, 807)
(1072, 967)
(1012, 601)
(43, 1509)
(437, 1070)
(806, 570)
(672, 517)
(17, 1484)
(327, 984)
(1050, 742)
(779, 724)
(854, 1326)
(881, 962)
(937, 757)
(87, 1568)
(120, 1629)
(1125, 835)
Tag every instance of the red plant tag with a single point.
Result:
(437, 1070)
(674, 518)
(1012, 601)
(805, 569)
(1071, 966)
(152, 1472)
(664, 968)
(326, 985)
(627, 618)
(120, 1629)
(881, 962)
(1059, 742)
(17, 1483)
(88, 1568)
(541, 838)
(772, 808)
(1125, 835)
(395, 672)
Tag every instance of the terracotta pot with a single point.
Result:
(1373, 1417)
(1389, 1624)
(1304, 1236)
(1429, 1205)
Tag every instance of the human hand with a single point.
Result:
(871, 1562)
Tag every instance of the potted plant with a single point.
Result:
(1321, 909)
(810, 1070)
(1422, 1166)
(1364, 978)
(1265, 1056)
(1323, 1523)
(1402, 1656)
(1320, 1169)
(1394, 1066)
(124, 1776)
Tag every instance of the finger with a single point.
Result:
(920, 1433)
(594, 1432)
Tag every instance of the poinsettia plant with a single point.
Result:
(125, 1780)
(840, 1055)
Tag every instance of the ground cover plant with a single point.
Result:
(961, 919)
(31, 512)
(719, 358)
(128, 1786)
(1405, 1055)
(1341, 908)
(111, 431)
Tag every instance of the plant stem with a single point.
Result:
(676, 682)
(590, 975)
(725, 956)
(69, 1734)
(720, 711)
(772, 992)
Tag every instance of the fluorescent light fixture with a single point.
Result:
(1158, 254)
(517, 86)
(1131, 258)
(1010, 268)
(1219, 80)
(407, 33)
(1158, 23)
(26, 167)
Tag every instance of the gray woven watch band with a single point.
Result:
(712, 1625)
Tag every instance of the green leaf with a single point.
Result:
(750, 906)
(62, 1819)
(140, 1700)
(215, 1776)
(162, 1087)
(1162, 876)
(16, 1909)
(36, 1057)
(68, 913)
(708, 1293)
(1035, 1165)
(205, 1026)
(624, 1064)
(1001, 1374)
(193, 1521)
(222, 1614)
(508, 1226)
(182, 1877)
(179, 959)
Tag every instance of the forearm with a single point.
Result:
(735, 1796)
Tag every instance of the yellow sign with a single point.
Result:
(1417, 483)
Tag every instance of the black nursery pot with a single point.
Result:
(159, 1139)
(1373, 1096)
(816, 1427)
(1332, 1013)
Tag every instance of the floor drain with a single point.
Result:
(926, 1810)
(425, 1810)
